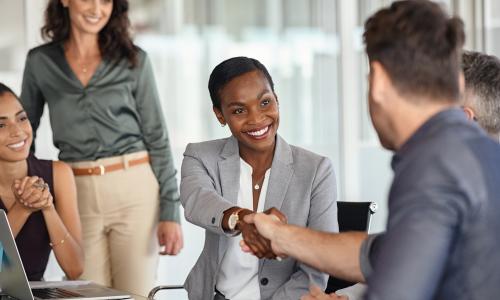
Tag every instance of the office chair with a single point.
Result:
(352, 216)
(152, 293)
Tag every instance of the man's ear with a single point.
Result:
(64, 3)
(219, 116)
(469, 112)
(380, 82)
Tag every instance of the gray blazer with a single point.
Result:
(301, 185)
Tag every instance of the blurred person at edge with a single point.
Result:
(481, 101)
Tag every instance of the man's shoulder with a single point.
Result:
(453, 144)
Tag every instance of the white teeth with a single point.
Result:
(258, 133)
(92, 19)
(16, 145)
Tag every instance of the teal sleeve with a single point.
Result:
(156, 140)
(31, 96)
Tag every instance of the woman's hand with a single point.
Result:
(260, 246)
(273, 211)
(252, 239)
(32, 193)
(266, 225)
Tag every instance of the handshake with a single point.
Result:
(258, 232)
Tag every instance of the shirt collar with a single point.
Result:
(435, 122)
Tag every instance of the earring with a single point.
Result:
(222, 125)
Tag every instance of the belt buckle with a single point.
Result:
(102, 170)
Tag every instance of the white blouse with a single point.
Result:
(238, 275)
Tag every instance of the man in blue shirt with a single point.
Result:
(442, 239)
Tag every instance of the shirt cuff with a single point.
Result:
(170, 211)
(364, 255)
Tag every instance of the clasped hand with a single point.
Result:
(252, 239)
(32, 193)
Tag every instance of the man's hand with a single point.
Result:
(315, 293)
(276, 212)
(170, 238)
(267, 225)
(256, 243)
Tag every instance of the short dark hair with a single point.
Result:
(419, 46)
(5, 89)
(228, 70)
(482, 77)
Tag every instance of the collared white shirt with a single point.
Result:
(238, 275)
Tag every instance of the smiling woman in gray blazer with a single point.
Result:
(253, 170)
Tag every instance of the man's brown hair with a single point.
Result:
(419, 46)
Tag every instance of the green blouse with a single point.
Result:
(118, 112)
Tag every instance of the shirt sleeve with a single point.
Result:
(156, 140)
(409, 259)
(203, 206)
(364, 255)
(31, 97)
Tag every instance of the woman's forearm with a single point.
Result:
(17, 217)
(67, 249)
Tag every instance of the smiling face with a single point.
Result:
(15, 129)
(250, 108)
(88, 16)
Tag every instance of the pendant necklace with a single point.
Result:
(257, 186)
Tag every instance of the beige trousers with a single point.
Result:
(119, 214)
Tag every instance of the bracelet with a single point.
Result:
(60, 242)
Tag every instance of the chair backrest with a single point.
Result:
(352, 216)
(355, 216)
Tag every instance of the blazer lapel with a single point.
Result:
(281, 174)
(229, 170)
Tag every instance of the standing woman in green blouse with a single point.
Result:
(107, 123)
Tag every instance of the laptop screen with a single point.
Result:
(13, 281)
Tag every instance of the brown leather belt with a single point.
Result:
(101, 169)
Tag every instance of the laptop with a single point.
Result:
(14, 283)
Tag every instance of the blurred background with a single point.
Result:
(313, 50)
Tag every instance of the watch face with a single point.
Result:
(233, 219)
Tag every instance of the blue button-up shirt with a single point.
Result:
(443, 233)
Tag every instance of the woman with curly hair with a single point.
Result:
(107, 123)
